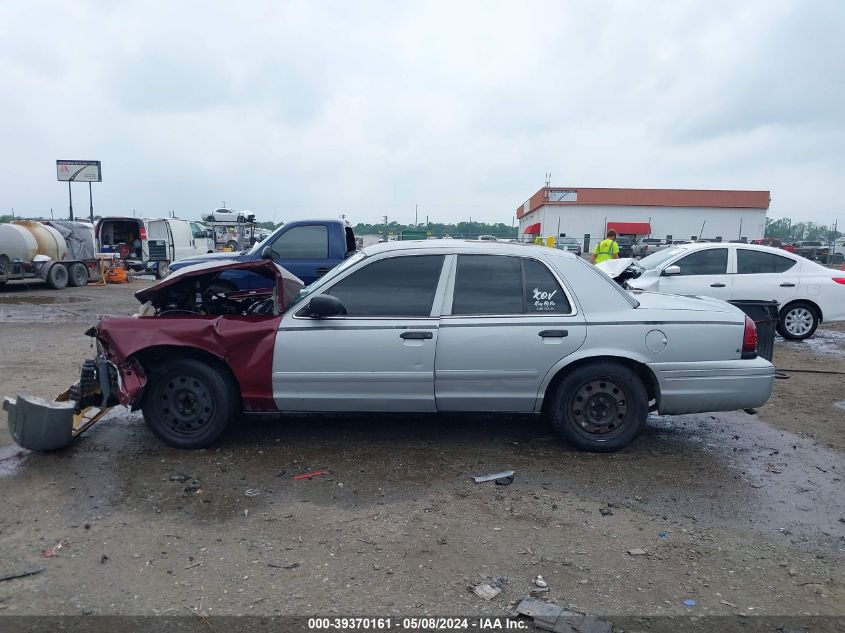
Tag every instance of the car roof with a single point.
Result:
(466, 246)
(692, 246)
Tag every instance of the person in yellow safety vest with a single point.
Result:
(606, 249)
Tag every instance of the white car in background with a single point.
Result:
(228, 215)
(807, 292)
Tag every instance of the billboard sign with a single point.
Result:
(79, 170)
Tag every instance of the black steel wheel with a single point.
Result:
(190, 403)
(162, 270)
(57, 277)
(77, 275)
(600, 407)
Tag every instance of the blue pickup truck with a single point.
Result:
(307, 248)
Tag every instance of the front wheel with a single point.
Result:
(57, 277)
(600, 407)
(189, 403)
(797, 321)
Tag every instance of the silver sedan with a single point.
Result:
(428, 326)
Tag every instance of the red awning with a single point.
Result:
(533, 229)
(630, 228)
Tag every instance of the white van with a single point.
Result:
(150, 244)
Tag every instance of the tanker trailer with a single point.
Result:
(33, 250)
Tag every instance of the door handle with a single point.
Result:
(717, 285)
(322, 271)
(416, 335)
(786, 284)
(554, 333)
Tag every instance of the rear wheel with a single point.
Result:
(797, 321)
(600, 407)
(77, 275)
(57, 277)
(162, 270)
(189, 403)
(232, 245)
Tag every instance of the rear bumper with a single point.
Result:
(713, 385)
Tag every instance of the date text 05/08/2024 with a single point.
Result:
(416, 624)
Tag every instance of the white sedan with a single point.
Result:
(807, 292)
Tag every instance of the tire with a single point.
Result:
(162, 270)
(77, 275)
(57, 277)
(233, 245)
(189, 403)
(798, 321)
(618, 404)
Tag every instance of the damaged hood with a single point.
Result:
(615, 267)
(288, 285)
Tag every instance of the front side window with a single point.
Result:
(750, 262)
(197, 230)
(712, 261)
(494, 284)
(393, 287)
(302, 242)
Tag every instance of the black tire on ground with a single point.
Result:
(77, 275)
(189, 403)
(798, 321)
(57, 277)
(162, 270)
(232, 244)
(599, 407)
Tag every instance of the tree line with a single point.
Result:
(786, 231)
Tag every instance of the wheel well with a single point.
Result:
(812, 305)
(149, 357)
(642, 371)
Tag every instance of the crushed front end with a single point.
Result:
(40, 425)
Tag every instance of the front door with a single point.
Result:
(508, 323)
(377, 357)
(304, 251)
(703, 273)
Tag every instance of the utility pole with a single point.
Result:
(384, 219)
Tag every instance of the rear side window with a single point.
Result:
(750, 262)
(491, 284)
(399, 286)
(302, 242)
(713, 261)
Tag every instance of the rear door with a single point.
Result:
(766, 276)
(380, 355)
(158, 246)
(703, 272)
(507, 320)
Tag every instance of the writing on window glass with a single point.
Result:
(544, 300)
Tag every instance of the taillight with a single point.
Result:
(142, 233)
(839, 280)
(749, 338)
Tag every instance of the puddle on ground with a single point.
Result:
(12, 300)
(839, 405)
(825, 342)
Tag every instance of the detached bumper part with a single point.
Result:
(39, 425)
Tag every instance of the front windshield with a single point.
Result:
(322, 281)
(655, 259)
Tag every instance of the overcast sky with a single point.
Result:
(303, 109)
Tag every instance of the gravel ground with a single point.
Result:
(741, 513)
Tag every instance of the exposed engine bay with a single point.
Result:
(207, 295)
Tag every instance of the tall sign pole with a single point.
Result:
(90, 203)
(70, 201)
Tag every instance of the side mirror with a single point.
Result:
(323, 306)
(671, 270)
(266, 253)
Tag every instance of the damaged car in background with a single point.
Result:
(422, 327)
